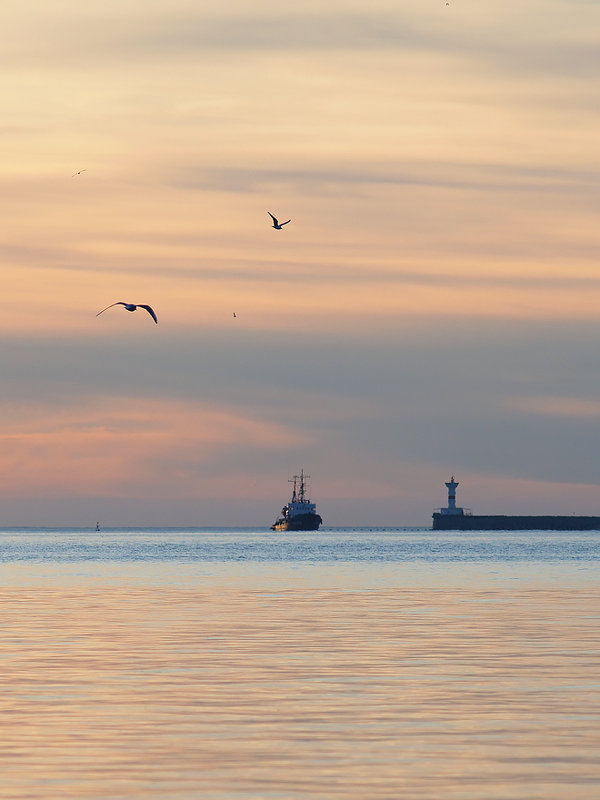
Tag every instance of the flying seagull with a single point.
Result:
(130, 307)
(78, 173)
(277, 225)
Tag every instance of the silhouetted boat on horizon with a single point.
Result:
(299, 514)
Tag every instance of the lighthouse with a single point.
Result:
(452, 507)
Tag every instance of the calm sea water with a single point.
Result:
(238, 664)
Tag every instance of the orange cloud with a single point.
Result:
(559, 406)
(126, 446)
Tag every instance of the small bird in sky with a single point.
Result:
(130, 307)
(78, 173)
(277, 225)
(234, 315)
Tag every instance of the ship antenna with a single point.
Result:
(302, 485)
(293, 480)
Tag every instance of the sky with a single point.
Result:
(432, 309)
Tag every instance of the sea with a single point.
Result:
(351, 663)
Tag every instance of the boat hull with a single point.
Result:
(299, 522)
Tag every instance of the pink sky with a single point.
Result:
(432, 307)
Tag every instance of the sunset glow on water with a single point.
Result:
(181, 677)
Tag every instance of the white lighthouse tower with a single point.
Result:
(452, 507)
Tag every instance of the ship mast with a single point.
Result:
(293, 480)
(298, 495)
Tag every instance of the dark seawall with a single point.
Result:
(467, 522)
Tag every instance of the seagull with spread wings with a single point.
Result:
(130, 307)
(276, 224)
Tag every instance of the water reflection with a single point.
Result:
(238, 665)
(126, 692)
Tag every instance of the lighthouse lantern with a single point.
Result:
(452, 508)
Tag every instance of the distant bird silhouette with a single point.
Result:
(277, 225)
(234, 315)
(130, 307)
(78, 173)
